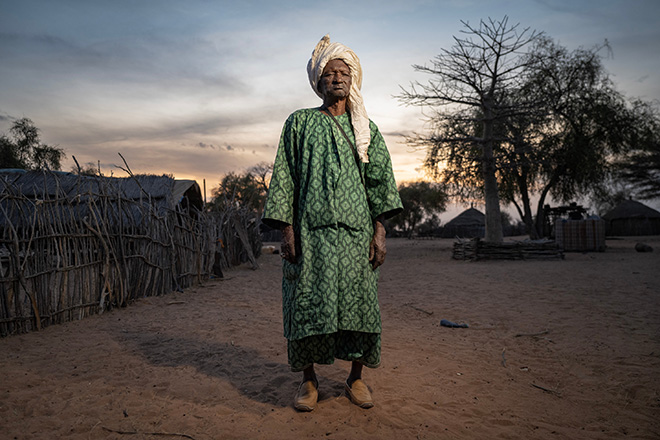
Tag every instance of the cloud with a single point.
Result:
(203, 145)
(202, 89)
(124, 80)
(6, 117)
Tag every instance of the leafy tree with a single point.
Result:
(555, 128)
(510, 226)
(429, 226)
(22, 148)
(565, 147)
(640, 167)
(420, 200)
(608, 195)
(247, 190)
(468, 94)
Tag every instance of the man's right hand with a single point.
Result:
(288, 245)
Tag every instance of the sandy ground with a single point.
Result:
(555, 350)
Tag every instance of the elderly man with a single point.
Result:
(331, 189)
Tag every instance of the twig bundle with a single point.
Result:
(477, 249)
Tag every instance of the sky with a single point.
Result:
(200, 88)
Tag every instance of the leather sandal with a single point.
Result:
(307, 396)
(359, 394)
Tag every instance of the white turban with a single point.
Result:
(322, 54)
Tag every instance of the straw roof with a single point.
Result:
(162, 192)
(631, 209)
(42, 184)
(188, 189)
(468, 224)
(469, 217)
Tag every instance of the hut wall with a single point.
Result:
(633, 226)
(64, 258)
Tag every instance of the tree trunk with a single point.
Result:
(522, 180)
(527, 209)
(491, 192)
(540, 210)
(493, 214)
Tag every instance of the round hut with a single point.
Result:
(471, 223)
(632, 218)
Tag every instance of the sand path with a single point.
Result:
(556, 349)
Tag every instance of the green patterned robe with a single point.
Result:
(316, 187)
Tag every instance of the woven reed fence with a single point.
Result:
(74, 246)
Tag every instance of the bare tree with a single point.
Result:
(468, 95)
(262, 173)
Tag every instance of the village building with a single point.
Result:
(631, 218)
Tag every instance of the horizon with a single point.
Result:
(203, 90)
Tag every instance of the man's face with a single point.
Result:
(335, 80)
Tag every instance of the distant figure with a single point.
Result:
(331, 189)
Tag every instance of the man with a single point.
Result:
(331, 189)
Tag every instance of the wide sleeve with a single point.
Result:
(279, 206)
(381, 187)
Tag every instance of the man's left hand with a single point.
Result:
(377, 248)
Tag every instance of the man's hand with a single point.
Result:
(377, 249)
(288, 245)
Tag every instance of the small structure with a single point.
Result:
(586, 235)
(572, 211)
(572, 231)
(471, 223)
(632, 218)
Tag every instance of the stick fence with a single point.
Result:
(69, 253)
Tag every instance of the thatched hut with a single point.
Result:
(471, 223)
(187, 195)
(71, 245)
(632, 218)
(162, 192)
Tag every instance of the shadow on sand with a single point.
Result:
(254, 376)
